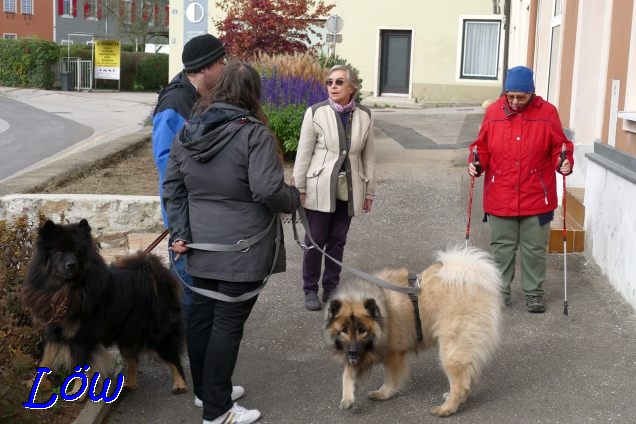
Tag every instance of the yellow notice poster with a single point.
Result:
(107, 59)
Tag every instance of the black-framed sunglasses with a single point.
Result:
(339, 82)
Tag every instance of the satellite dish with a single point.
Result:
(334, 23)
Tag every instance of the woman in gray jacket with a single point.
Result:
(335, 174)
(222, 192)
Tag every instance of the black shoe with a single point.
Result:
(326, 295)
(311, 301)
(535, 304)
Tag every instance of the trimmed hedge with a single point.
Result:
(30, 62)
(27, 62)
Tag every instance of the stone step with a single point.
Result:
(574, 224)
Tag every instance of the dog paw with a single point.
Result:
(440, 411)
(378, 395)
(178, 390)
(129, 387)
(346, 403)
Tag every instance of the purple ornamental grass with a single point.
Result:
(280, 91)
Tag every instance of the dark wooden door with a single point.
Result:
(395, 62)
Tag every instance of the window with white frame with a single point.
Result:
(90, 9)
(127, 11)
(9, 6)
(555, 49)
(26, 7)
(149, 13)
(8, 36)
(67, 8)
(480, 48)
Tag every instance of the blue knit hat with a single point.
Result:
(519, 79)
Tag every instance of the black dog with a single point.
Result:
(89, 306)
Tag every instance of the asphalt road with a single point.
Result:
(29, 135)
(42, 127)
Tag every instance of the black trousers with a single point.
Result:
(214, 334)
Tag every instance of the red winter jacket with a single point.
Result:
(519, 153)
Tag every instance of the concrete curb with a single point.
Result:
(96, 412)
(73, 164)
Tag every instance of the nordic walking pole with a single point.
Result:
(565, 245)
(475, 162)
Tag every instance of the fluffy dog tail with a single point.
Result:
(469, 267)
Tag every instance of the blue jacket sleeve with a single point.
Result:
(165, 125)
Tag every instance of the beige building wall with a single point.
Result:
(590, 72)
(436, 44)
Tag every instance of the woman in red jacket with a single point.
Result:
(519, 149)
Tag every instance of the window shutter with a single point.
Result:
(100, 8)
(60, 7)
(166, 16)
(74, 7)
(133, 11)
(87, 9)
(155, 15)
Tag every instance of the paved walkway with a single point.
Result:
(548, 369)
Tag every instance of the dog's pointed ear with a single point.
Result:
(46, 229)
(83, 224)
(372, 308)
(334, 308)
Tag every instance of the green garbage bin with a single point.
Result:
(66, 81)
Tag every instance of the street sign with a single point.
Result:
(334, 23)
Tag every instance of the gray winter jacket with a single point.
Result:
(224, 183)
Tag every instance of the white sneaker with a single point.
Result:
(236, 415)
(237, 393)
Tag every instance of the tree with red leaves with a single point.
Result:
(269, 26)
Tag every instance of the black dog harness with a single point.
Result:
(414, 281)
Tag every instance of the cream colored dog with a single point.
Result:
(460, 309)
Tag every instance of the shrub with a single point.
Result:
(21, 336)
(152, 71)
(285, 122)
(27, 62)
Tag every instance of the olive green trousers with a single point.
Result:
(509, 234)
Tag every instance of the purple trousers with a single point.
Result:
(329, 231)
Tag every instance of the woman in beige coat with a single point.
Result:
(335, 174)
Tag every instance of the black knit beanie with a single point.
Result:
(201, 51)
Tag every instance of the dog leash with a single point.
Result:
(303, 219)
(156, 242)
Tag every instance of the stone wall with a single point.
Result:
(108, 215)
